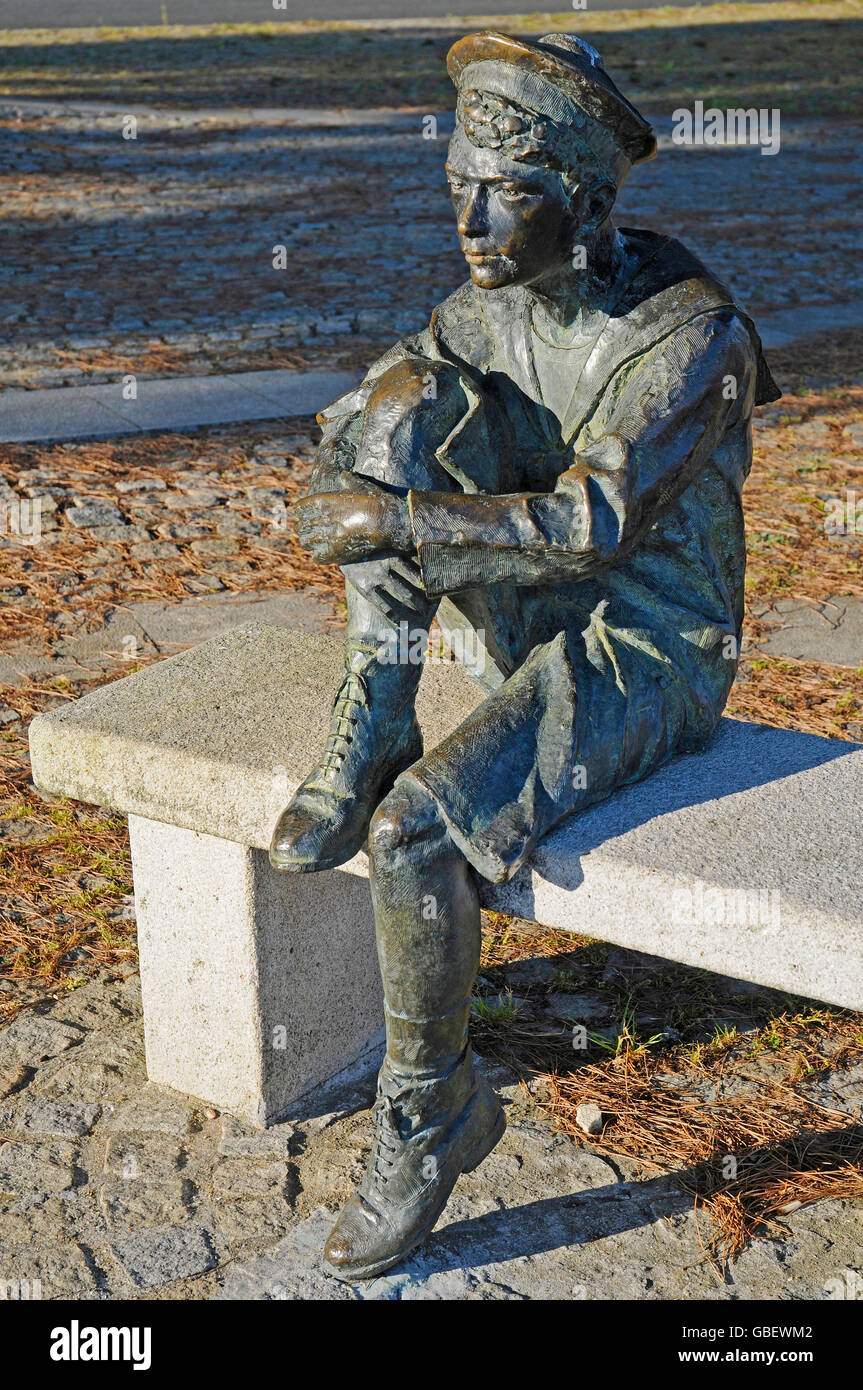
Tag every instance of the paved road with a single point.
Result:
(31, 14)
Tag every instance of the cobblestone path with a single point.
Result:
(155, 255)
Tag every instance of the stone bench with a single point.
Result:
(744, 859)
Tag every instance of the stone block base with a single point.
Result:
(257, 986)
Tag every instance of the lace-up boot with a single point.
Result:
(427, 1132)
(374, 736)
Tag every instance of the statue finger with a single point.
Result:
(410, 572)
(399, 588)
(305, 507)
(404, 595)
(321, 507)
(390, 606)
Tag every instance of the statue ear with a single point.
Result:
(592, 201)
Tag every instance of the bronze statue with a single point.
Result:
(555, 464)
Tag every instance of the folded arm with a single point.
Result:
(661, 420)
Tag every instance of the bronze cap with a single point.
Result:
(574, 68)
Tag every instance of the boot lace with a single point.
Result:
(351, 698)
(387, 1140)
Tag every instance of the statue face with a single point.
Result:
(515, 223)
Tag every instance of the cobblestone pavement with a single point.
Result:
(155, 255)
(113, 1188)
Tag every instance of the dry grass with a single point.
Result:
(806, 695)
(791, 555)
(65, 906)
(789, 549)
(99, 574)
(784, 1149)
(507, 939)
(65, 876)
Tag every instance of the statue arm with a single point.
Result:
(662, 418)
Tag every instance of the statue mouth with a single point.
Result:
(480, 257)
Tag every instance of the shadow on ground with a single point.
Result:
(809, 66)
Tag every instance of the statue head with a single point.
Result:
(542, 143)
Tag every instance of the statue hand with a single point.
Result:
(395, 587)
(342, 527)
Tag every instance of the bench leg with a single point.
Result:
(256, 986)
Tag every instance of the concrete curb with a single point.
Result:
(184, 402)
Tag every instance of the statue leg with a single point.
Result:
(434, 1118)
(374, 734)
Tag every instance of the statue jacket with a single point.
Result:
(599, 545)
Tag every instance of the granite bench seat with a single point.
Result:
(744, 859)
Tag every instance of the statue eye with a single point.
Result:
(512, 193)
(456, 185)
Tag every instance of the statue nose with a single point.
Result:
(472, 220)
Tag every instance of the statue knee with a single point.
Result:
(412, 383)
(414, 406)
(404, 820)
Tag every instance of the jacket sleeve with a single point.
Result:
(661, 418)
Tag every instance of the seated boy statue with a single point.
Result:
(554, 466)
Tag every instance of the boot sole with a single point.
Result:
(471, 1161)
(312, 866)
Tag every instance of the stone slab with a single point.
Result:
(741, 859)
(182, 402)
(257, 986)
(218, 738)
(831, 631)
(66, 1119)
(162, 1254)
(321, 116)
(30, 1038)
(160, 627)
(67, 412)
(170, 627)
(779, 327)
(744, 859)
(37, 1167)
